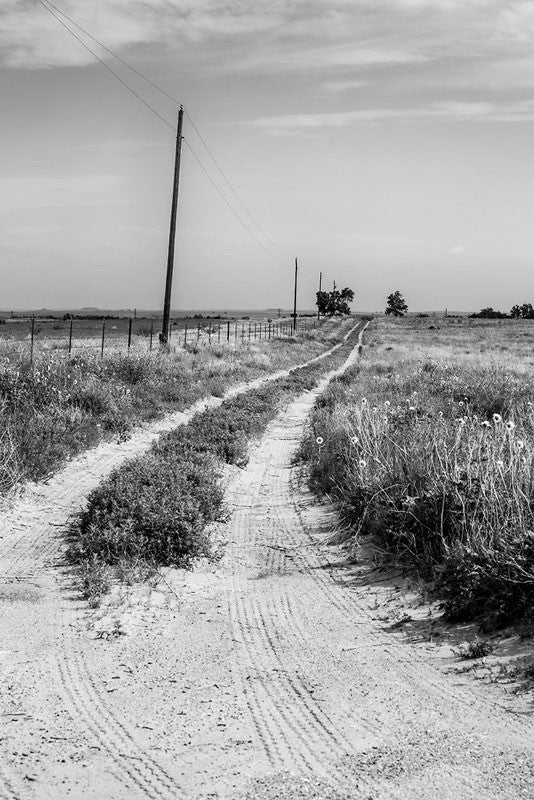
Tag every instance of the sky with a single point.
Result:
(386, 143)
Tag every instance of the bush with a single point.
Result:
(436, 465)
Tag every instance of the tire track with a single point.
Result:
(30, 548)
(131, 763)
(281, 548)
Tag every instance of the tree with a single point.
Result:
(515, 312)
(336, 302)
(396, 304)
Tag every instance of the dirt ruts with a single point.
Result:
(271, 674)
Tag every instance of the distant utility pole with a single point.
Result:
(334, 286)
(295, 297)
(164, 336)
(320, 287)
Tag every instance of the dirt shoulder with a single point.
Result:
(272, 674)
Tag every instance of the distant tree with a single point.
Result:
(525, 311)
(396, 304)
(335, 302)
(489, 313)
(515, 312)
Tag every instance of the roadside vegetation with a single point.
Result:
(154, 510)
(427, 446)
(58, 406)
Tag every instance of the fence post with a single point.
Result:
(198, 331)
(32, 336)
(269, 330)
(151, 335)
(185, 335)
(219, 333)
(209, 335)
(249, 325)
(242, 332)
(235, 333)
(103, 338)
(70, 338)
(228, 331)
(129, 333)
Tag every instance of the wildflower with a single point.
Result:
(320, 440)
(364, 401)
(362, 463)
(440, 413)
(510, 425)
(387, 403)
(412, 408)
(354, 440)
(485, 424)
(375, 409)
(520, 444)
(497, 418)
(461, 403)
(500, 464)
(475, 418)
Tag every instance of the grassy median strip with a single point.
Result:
(58, 406)
(154, 510)
(432, 456)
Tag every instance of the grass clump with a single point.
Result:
(56, 407)
(421, 460)
(155, 510)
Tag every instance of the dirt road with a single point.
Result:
(270, 675)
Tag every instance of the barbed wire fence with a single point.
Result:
(26, 338)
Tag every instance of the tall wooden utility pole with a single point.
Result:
(164, 335)
(320, 286)
(295, 298)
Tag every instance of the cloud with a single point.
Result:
(41, 191)
(461, 110)
(342, 86)
(457, 250)
(333, 41)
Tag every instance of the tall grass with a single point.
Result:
(435, 462)
(58, 406)
(155, 509)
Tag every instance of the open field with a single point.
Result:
(23, 338)
(57, 406)
(428, 446)
(278, 670)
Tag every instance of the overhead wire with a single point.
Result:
(54, 11)
(106, 66)
(232, 209)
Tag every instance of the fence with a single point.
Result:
(23, 337)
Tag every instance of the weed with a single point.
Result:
(477, 648)
(155, 509)
(433, 459)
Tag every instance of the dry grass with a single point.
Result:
(57, 406)
(429, 447)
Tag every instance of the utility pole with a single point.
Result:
(320, 286)
(295, 298)
(164, 335)
(334, 286)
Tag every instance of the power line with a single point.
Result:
(178, 102)
(52, 9)
(232, 209)
(112, 53)
(242, 204)
(103, 63)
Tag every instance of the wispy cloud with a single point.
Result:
(342, 86)
(488, 111)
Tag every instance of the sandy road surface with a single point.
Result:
(270, 675)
